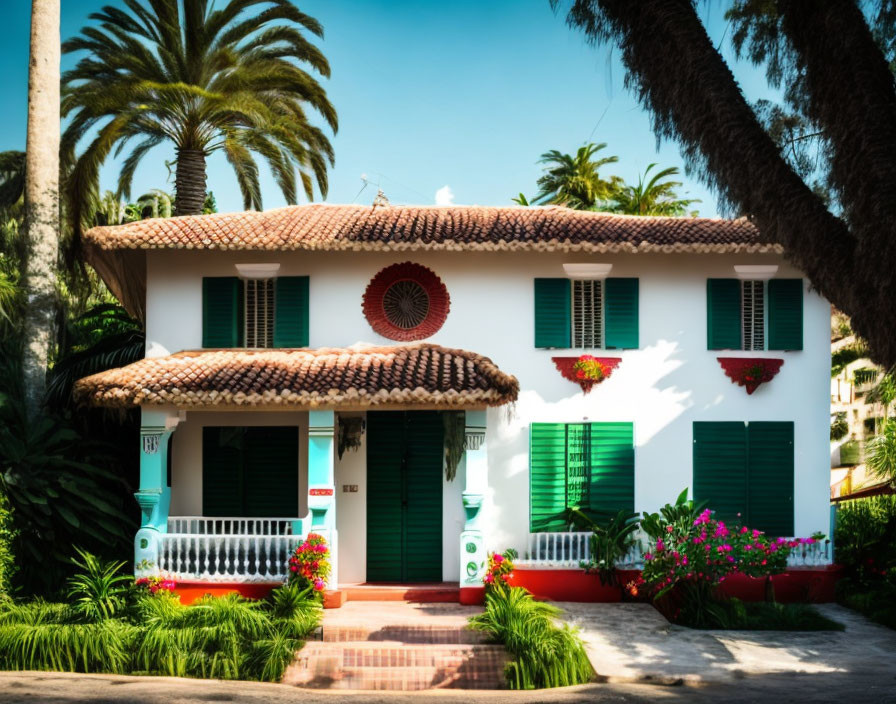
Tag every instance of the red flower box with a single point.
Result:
(567, 368)
(750, 372)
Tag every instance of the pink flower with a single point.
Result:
(498, 559)
(668, 529)
(489, 579)
(659, 545)
(319, 585)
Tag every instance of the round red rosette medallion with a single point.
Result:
(406, 302)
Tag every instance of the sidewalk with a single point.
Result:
(634, 643)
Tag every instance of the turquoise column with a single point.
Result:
(154, 495)
(472, 545)
(322, 482)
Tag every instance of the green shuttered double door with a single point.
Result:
(589, 465)
(746, 469)
(405, 451)
(250, 471)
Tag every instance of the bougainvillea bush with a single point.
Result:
(156, 584)
(691, 553)
(500, 569)
(310, 563)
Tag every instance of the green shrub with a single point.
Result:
(865, 537)
(611, 538)
(767, 616)
(98, 590)
(7, 538)
(544, 654)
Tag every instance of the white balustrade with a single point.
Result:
(572, 548)
(238, 549)
(226, 558)
(231, 526)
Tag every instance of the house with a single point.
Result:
(330, 367)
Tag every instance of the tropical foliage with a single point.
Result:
(865, 540)
(610, 541)
(575, 180)
(652, 195)
(544, 654)
(844, 241)
(110, 627)
(206, 78)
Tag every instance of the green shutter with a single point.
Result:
(621, 313)
(222, 471)
(720, 467)
(612, 468)
(553, 313)
(723, 314)
(425, 444)
(785, 314)
(385, 456)
(291, 312)
(271, 471)
(770, 467)
(547, 477)
(222, 311)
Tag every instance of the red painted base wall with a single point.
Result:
(814, 585)
(191, 591)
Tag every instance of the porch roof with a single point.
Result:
(421, 375)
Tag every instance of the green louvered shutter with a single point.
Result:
(385, 457)
(723, 314)
(770, 451)
(424, 440)
(222, 471)
(720, 467)
(291, 312)
(547, 477)
(612, 468)
(621, 313)
(785, 314)
(553, 313)
(271, 471)
(222, 312)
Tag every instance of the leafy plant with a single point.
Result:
(544, 654)
(98, 590)
(682, 513)
(55, 486)
(295, 609)
(652, 195)
(610, 541)
(574, 181)
(880, 452)
(839, 426)
(767, 616)
(865, 539)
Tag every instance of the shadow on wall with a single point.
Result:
(646, 389)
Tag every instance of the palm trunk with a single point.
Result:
(41, 199)
(851, 96)
(682, 79)
(189, 182)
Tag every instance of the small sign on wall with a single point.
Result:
(349, 488)
(320, 492)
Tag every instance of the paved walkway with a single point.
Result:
(634, 643)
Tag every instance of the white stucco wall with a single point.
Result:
(662, 388)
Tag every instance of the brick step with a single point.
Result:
(405, 633)
(397, 666)
(425, 594)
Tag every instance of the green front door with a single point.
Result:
(404, 496)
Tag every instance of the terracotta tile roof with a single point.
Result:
(400, 228)
(418, 375)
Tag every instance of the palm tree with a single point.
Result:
(207, 79)
(652, 197)
(575, 181)
(41, 245)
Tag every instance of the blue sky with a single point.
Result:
(463, 94)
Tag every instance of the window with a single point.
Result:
(747, 469)
(584, 465)
(754, 315)
(255, 312)
(586, 314)
(250, 471)
(258, 312)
